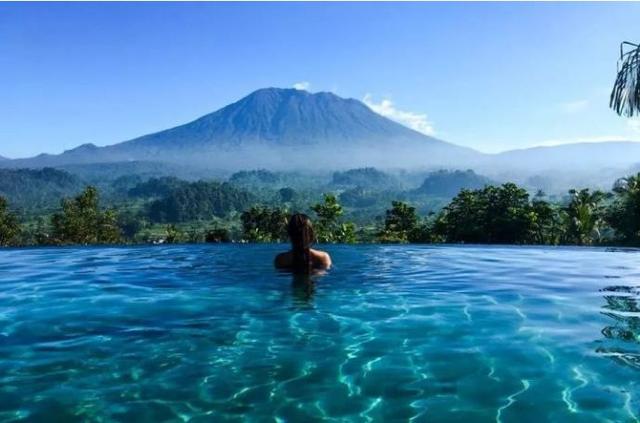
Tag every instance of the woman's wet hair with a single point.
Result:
(301, 234)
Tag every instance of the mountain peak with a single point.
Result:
(83, 148)
(273, 95)
(277, 91)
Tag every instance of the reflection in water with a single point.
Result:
(303, 287)
(624, 334)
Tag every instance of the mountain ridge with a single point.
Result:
(285, 128)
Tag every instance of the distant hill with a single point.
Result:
(98, 173)
(199, 200)
(368, 178)
(578, 156)
(255, 178)
(37, 188)
(277, 129)
(157, 187)
(445, 183)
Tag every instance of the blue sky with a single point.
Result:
(491, 76)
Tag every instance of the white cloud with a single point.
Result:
(576, 106)
(603, 138)
(303, 85)
(415, 121)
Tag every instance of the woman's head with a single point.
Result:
(300, 232)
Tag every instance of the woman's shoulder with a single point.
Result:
(320, 259)
(323, 258)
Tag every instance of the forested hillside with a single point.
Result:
(199, 201)
(367, 178)
(447, 183)
(34, 189)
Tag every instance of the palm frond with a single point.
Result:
(625, 96)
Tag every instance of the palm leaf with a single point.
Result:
(625, 96)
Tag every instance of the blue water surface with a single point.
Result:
(392, 333)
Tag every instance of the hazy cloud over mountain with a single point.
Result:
(304, 85)
(416, 121)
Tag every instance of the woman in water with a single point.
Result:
(302, 258)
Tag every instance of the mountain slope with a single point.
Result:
(278, 128)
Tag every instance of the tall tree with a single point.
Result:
(173, 234)
(492, 215)
(547, 225)
(263, 224)
(583, 218)
(329, 228)
(9, 226)
(624, 214)
(108, 230)
(462, 220)
(402, 224)
(82, 222)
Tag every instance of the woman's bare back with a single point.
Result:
(320, 260)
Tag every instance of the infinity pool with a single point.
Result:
(393, 333)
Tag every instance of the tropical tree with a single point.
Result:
(624, 214)
(583, 217)
(345, 233)
(625, 96)
(498, 215)
(329, 227)
(82, 222)
(108, 230)
(402, 224)
(547, 222)
(130, 223)
(9, 226)
(173, 234)
(509, 218)
(462, 219)
(264, 224)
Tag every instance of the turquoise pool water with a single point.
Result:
(393, 333)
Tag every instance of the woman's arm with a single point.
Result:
(324, 259)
